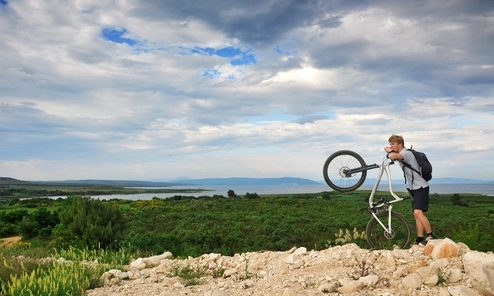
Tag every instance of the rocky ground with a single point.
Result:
(443, 267)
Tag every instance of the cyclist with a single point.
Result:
(418, 186)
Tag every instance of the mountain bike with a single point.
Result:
(345, 171)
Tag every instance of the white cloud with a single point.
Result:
(75, 104)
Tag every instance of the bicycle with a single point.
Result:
(345, 171)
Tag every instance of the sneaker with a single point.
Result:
(429, 237)
(423, 243)
(418, 243)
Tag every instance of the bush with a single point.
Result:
(86, 222)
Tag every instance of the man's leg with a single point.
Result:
(421, 222)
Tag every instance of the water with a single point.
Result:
(485, 189)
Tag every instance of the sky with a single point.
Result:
(159, 90)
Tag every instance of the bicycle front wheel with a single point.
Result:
(399, 236)
(336, 169)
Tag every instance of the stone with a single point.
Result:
(335, 270)
(351, 287)
(327, 288)
(412, 281)
(462, 291)
(370, 280)
(479, 267)
(445, 248)
(289, 292)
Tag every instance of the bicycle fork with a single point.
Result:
(388, 229)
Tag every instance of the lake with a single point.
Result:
(486, 189)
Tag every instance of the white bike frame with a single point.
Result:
(384, 167)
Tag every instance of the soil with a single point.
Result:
(9, 241)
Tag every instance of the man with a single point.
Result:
(418, 186)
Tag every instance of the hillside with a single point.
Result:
(11, 181)
(443, 267)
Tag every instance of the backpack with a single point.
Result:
(425, 167)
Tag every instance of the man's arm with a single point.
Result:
(392, 154)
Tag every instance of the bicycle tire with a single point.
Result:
(337, 163)
(378, 238)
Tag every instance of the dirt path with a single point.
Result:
(9, 241)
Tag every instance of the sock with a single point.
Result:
(430, 234)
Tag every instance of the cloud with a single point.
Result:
(99, 89)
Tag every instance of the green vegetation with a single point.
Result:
(109, 233)
(14, 192)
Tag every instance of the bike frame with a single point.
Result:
(383, 203)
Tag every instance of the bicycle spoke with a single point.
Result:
(336, 170)
(399, 236)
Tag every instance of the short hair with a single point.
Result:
(397, 138)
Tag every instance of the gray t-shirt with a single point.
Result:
(415, 181)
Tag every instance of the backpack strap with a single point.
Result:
(406, 164)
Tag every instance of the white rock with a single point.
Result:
(216, 293)
(479, 267)
(432, 280)
(370, 280)
(445, 248)
(454, 275)
(300, 251)
(290, 259)
(327, 288)
(462, 291)
(289, 292)
(390, 259)
(138, 264)
(351, 287)
(412, 281)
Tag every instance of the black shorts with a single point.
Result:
(421, 199)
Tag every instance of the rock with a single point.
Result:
(479, 267)
(300, 251)
(462, 291)
(432, 280)
(289, 292)
(351, 287)
(216, 293)
(412, 281)
(290, 259)
(345, 269)
(369, 281)
(327, 288)
(445, 248)
(138, 264)
(455, 275)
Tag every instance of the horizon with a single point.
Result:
(367, 180)
(158, 89)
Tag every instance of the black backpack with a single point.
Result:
(425, 167)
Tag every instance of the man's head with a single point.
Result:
(396, 142)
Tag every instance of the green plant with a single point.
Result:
(247, 274)
(218, 272)
(69, 278)
(345, 237)
(86, 222)
(190, 276)
(442, 277)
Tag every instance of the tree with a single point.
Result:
(86, 222)
(231, 193)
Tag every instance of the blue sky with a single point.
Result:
(149, 90)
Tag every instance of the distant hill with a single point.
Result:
(11, 181)
(219, 181)
(248, 181)
(120, 183)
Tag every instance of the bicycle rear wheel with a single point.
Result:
(378, 238)
(336, 167)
